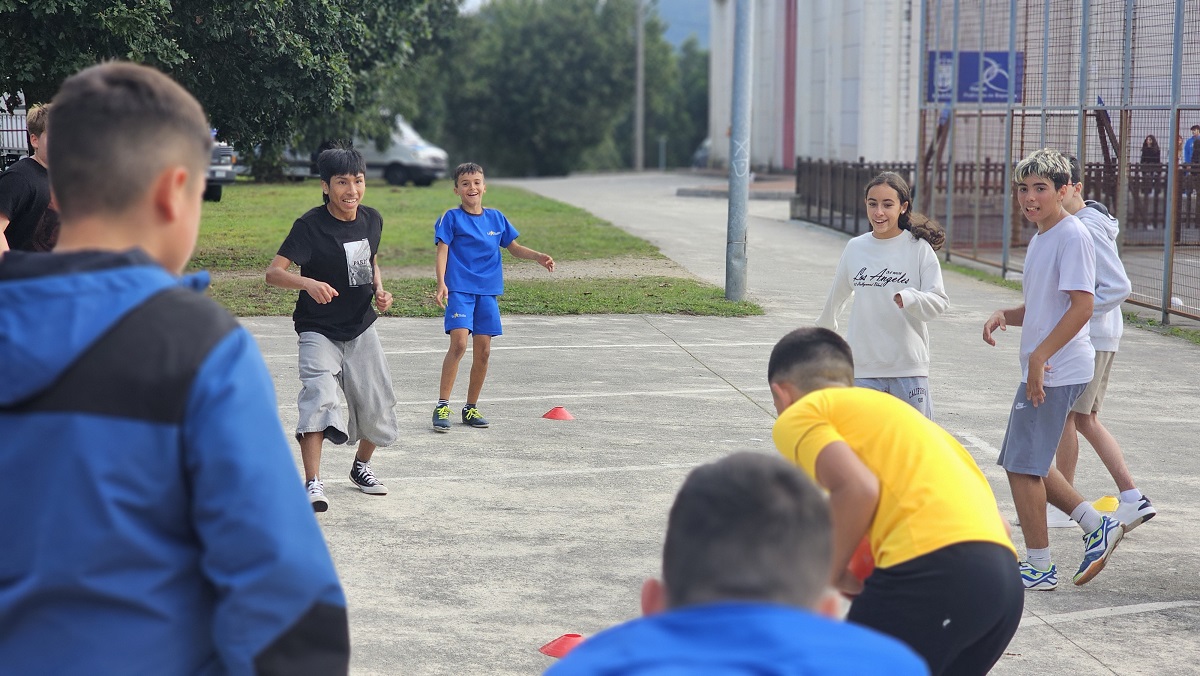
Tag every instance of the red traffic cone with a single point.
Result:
(562, 645)
(558, 413)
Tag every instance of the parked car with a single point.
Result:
(220, 171)
(408, 158)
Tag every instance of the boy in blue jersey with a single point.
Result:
(469, 280)
(745, 566)
(159, 528)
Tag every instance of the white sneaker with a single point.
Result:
(316, 495)
(1133, 514)
(1056, 518)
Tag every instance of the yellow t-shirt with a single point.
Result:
(931, 493)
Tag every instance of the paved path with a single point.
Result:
(495, 541)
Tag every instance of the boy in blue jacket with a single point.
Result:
(745, 568)
(157, 527)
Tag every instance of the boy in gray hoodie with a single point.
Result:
(1112, 288)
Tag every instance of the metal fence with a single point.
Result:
(1114, 82)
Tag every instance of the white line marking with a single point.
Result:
(1112, 611)
(593, 395)
(615, 346)
(545, 473)
(982, 445)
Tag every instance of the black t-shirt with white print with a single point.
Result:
(341, 254)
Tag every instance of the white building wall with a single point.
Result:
(857, 69)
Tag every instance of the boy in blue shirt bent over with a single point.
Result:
(469, 280)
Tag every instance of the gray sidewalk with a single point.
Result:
(495, 541)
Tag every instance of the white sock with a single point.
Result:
(1086, 516)
(1038, 558)
(1131, 495)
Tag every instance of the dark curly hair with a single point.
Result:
(921, 226)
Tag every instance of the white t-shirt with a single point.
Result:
(888, 342)
(1059, 260)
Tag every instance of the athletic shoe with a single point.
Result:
(316, 495)
(441, 419)
(364, 478)
(1039, 580)
(1056, 518)
(1133, 514)
(471, 416)
(1098, 545)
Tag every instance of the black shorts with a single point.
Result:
(957, 607)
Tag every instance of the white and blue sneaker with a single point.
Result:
(1133, 514)
(1039, 580)
(1098, 545)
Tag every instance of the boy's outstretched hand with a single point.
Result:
(383, 299)
(996, 321)
(546, 262)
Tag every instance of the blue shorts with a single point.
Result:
(473, 312)
(1033, 433)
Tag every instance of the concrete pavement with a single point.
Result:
(495, 541)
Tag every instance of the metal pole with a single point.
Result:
(1121, 208)
(1081, 127)
(1173, 173)
(950, 134)
(978, 173)
(1045, 68)
(639, 104)
(1006, 226)
(739, 154)
(918, 186)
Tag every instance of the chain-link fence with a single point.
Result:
(1114, 82)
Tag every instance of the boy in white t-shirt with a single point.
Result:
(1057, 362)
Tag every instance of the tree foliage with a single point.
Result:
(533, 84)
(260, 69)
(544, 87)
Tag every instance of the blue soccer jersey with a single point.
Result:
(474, 241)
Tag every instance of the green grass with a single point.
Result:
(983, 276)
(1191, 335)
(414, 297)
(245, 229)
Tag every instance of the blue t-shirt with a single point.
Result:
(473, 264)
(1189, 150)
(724, 639)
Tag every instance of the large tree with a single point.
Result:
(532, 84)
(261, 69)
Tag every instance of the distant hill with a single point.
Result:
(684, 18)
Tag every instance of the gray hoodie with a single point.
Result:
(1112, 284)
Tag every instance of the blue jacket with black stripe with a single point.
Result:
(154, 521)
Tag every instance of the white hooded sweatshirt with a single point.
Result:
(1112, 284)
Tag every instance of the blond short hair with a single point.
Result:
(35, 119)
(1047, 163)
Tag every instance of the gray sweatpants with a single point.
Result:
(360, 370)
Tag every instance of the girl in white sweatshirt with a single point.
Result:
(896, 281)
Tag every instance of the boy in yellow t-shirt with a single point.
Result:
(946, 580)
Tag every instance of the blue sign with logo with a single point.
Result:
(993, 84)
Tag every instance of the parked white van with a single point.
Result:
(409, 158)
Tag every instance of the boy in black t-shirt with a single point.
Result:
(335, 247)
(25, 188)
